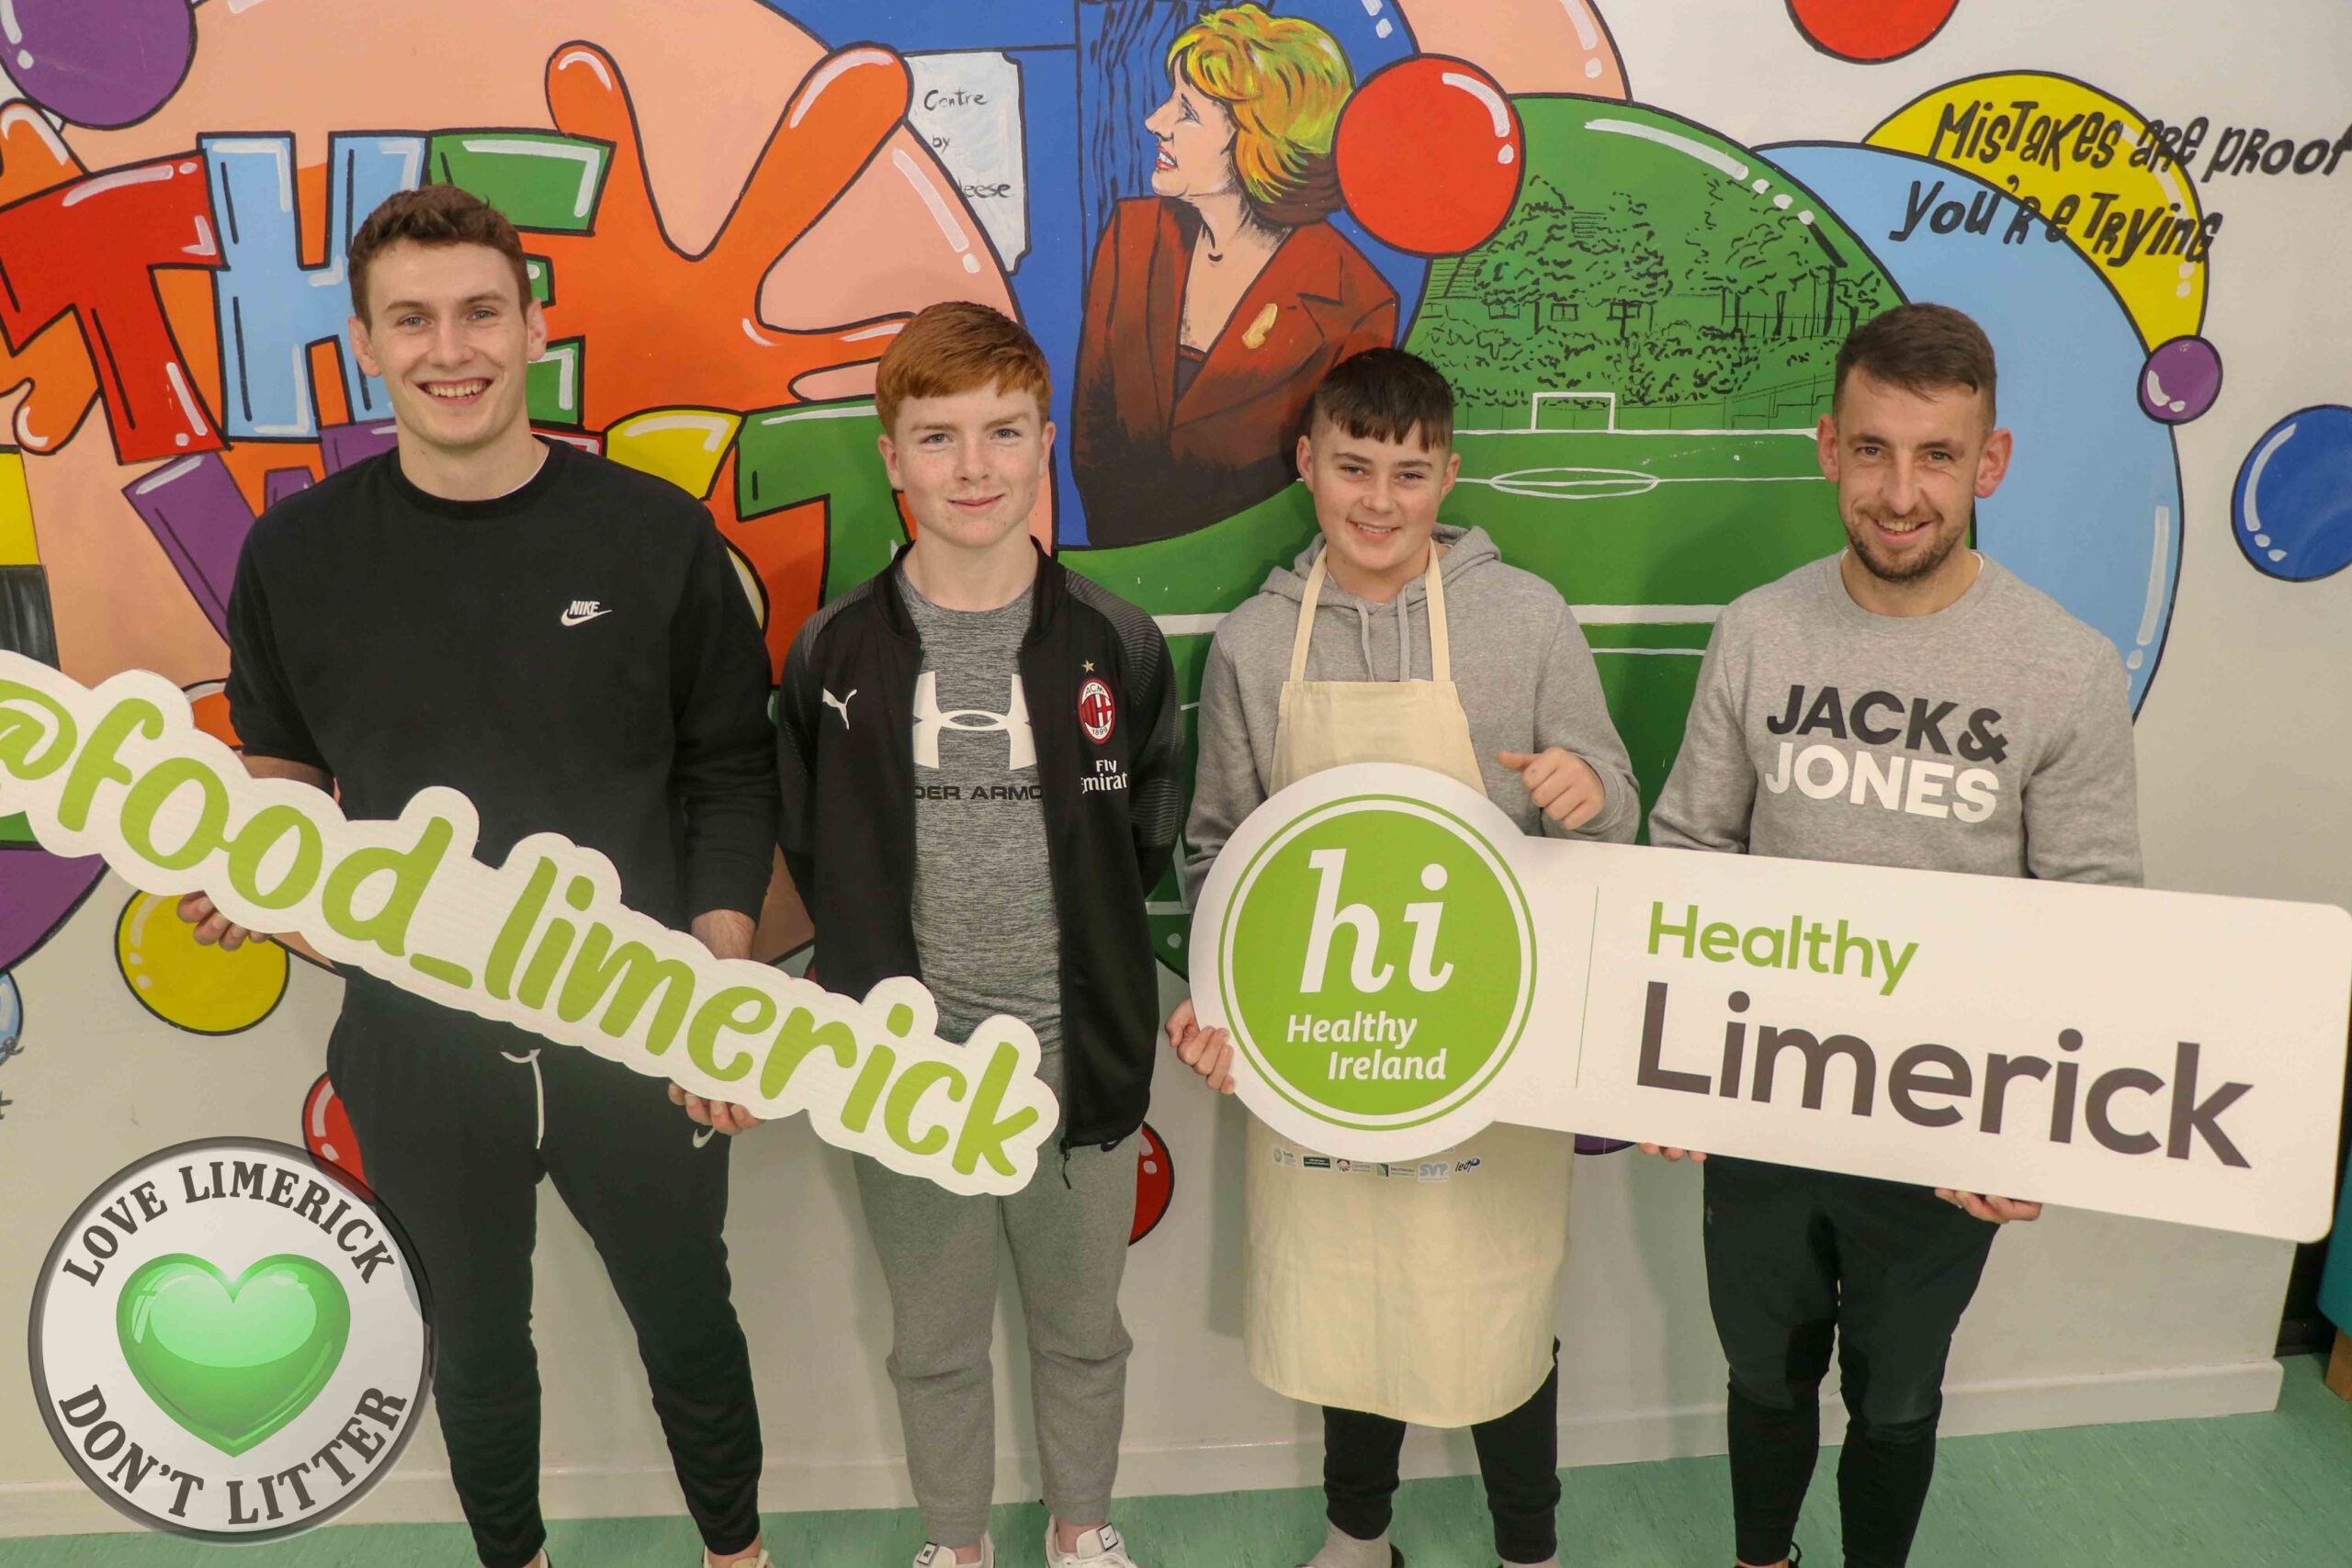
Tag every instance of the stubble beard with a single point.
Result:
(1926, 566)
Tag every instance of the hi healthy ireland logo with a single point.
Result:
(1377, 962)
(229, 1341)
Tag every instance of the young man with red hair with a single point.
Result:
(979, 752)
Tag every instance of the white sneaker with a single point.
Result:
(1097, 1548)
(934, 1555)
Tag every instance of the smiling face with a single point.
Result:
(448, 331)
(970, 464)
(1376, 502)
(1195, 133)
(1909, 467)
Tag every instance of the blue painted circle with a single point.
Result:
(2292, 511)
(2090, 513)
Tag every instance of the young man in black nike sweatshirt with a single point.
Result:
(563, 640)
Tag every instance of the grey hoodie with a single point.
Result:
(1525, 676)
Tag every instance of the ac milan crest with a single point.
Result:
(1096, 712)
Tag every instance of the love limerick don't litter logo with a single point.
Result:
(229, 1341)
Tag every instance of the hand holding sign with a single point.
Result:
(211, 926)
(1208, 1052)
(1563, 784)
(1994, 1211)
(1400, 966)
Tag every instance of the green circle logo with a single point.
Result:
(1377, 960)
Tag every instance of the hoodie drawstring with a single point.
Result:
(1403, 637)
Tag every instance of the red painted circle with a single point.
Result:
(1155, 1184)
(326, 1131)
(1870, 30)
(1430, 152)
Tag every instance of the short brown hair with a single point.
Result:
(1385, 394)
(955, 348)
(1921, 348)
(434, 215)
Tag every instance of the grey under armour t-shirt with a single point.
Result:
(984, 920)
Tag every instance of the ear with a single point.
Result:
(1305, 459)
(1045, 449)
(1453, 474)
(1992, 464)
(361, 349)
(535, 328)
(1826, 442)
(890, 450)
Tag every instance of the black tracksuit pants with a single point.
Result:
(457, 1119)
(1519, 1459)
(1796, 1260)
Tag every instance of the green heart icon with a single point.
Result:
(232, 1362)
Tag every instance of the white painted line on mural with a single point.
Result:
(1613, 484)
(714, 428)
(588, 158)
(1187, 625)
(2158, 569)
(277, 151)
(297, 359)
(916, 177)
(1807, 435)
(856, 58)
(1586, 614)
(187, 399)
(575, 57)
(1580, 17)
(1496, 110)
(1682, 144)
(1645, 614)
(2252, 488)
(115, 181)
(858, 412)
(162, 477)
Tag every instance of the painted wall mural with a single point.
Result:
(732, 206)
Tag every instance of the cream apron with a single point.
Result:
(1425, 1292)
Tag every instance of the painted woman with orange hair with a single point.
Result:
(1216, 303)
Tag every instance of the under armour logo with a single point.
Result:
(839, 705)
(1021, 746)
(584, 610)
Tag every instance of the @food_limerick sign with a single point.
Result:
(542, 941)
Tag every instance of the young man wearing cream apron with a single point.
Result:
(1397, 640)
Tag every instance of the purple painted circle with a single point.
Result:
(38, 890)
(2180, 381)
(99, 63)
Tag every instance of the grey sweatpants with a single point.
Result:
(1070, 1249)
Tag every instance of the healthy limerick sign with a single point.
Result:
(1400, 966)
(542, 941)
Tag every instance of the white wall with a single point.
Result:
(2245, 744)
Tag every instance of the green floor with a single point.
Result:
(2241, 1491)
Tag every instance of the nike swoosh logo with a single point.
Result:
(571, 619)
(705, 1135)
